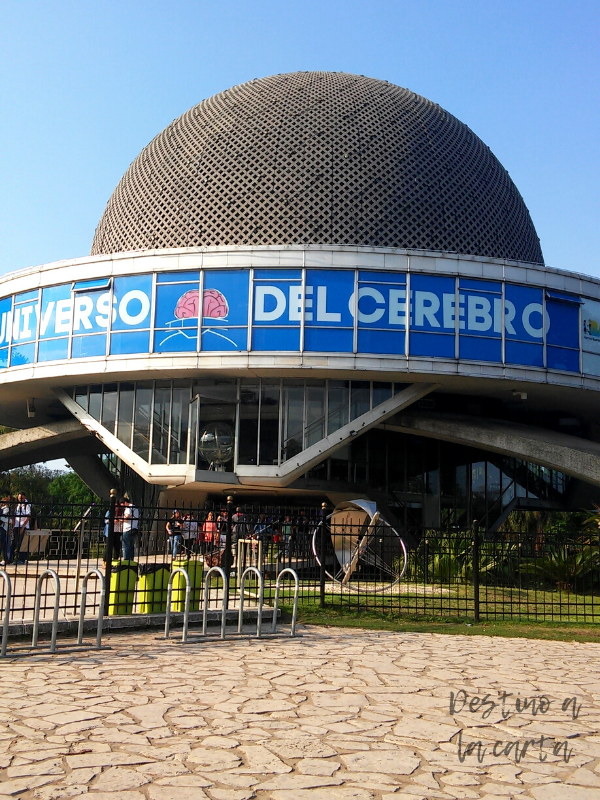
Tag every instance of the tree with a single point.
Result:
(68, 487)
(39, 482)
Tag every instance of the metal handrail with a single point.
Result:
(223, 605)
(7, 598)
(97, 574)
(261, 592)
(186, 608)
(38, 601)
(294, 574)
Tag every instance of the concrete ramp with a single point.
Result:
(46, 442)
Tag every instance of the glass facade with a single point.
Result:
(433, 483)
(270, 421)
(220, 423)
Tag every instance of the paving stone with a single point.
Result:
(151, 715)
(208, 759)
(393, 762)
(118, 779)
(176, 793)
(297, 782)
(337, 715)
(296, 745)
(82, 776)
(116, 796)
(325, 793)
(17, 786)
(104, 759)
(262, 761)
(57, 792)
(425, 729)
(235, 779)
(184, 780)
(266, 706)
(317, 766)
(224, 742)
(52, 766)
(584, 777)
(231, 794)
(556, 791)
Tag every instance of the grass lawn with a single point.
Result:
(389, 621)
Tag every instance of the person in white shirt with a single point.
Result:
(21, 522)
(129, 528)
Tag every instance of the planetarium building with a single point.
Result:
(312, 285)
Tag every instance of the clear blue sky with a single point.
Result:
(86, 85)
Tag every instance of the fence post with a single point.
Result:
(322, 559)
(227, 559)
(110, 543)
(475, 544)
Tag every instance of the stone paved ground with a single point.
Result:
(335, 714)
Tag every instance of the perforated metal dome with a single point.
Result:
(319, 158)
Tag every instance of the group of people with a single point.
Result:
(186, 535)
(15, 521)
(126, 530)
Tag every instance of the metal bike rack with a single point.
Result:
(294, 575)
(96, 574)
(38, 601)
(223, 604)
(261, 592)
(186, 610)
(7, 598)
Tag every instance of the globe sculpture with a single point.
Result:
(216, 444)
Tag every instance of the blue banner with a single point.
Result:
(292, 310)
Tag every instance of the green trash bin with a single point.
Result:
(194, 568)
(152, 588)
(123, 579)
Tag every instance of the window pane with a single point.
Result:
(125, 421)
(293, 421)
(160, 418)
(95, 401)
(248, 444)
(109, 407)
(269, 423)
(218, 404)
(141, 431)
(81, 397)
(193, 434)
(339, 401)
(381, 392)
(315, 413)
(360, 398)
(179, 424)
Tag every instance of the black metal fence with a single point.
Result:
(449, 574)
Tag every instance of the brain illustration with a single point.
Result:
(215, 304)
(187, 305)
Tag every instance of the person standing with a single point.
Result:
(20, 527)
(190, 534)
(5, 521)
(210, 531)
(118, 530)
(129, 528)
(174, 530)
(239, 531)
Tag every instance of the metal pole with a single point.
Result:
(7, 598)
(322, 559)
(110, 543)
(227, 555)
(476, 569)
